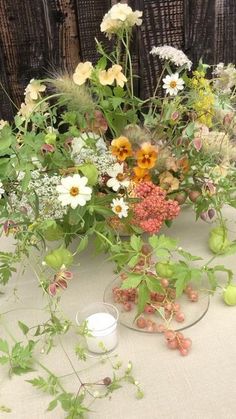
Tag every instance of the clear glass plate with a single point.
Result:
(193, 311)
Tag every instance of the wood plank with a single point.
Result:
(210, 30)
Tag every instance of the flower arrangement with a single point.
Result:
(85, 157)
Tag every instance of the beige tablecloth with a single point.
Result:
(199, 386)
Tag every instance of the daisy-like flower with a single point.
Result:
(1, 190)
(174, 55)
(141, 174)
(118, 177)
(34, 89)
(73, 191)
(172, 84)
(82, 72)
(120, 207)
(146, 156)
(121, 148)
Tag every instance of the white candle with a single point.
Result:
(103, 328)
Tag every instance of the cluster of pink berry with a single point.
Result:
(154, 209)
(191, 293)
(176, 340)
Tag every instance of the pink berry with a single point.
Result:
(127, 306)
(168, 307)
(141, 322)
(176, 307)
(172, 344)
(179, 317)
(180, 335)
(186, 343)
(193, 296)
(169, 335)
(149, 309)
(160, 328)
(183, 351)
(165, 283)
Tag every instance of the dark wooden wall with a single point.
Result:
(37, 36)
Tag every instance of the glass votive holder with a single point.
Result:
(101, 320)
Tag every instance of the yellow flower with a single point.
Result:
(121, 148)
(106, 77)
(3, 123)
(141, 175)
(33, 90)
(82, 72)
(147, 156)
(118, 75)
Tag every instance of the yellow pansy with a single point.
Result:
(82, 72)
(106, 77)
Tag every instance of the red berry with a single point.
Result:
(193, 296)
(149, 309)
(165, 283)
(160, 328)
(127, 306)
(172, 344)
(186, 343)
(169, 335)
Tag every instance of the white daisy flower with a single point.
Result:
(1, 190)
(73, 191)
(118, 178)
(119, 207)
(173, 84)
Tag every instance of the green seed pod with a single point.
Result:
(229, 295)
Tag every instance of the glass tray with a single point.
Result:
(194, 311)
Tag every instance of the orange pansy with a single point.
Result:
(141, 174)
(121, 148)
(146, 156)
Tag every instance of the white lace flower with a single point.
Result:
(1, 190)
(172, 84)
(73, 191)
(176, 56)
(120, 207)
(89, 141)
(118, 178)
(225, 77)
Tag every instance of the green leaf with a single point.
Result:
(82, 244)
(132, 281)
(118, 91)
(4, 360)
(180, 285)
(136, 243)
(4, 346)
(90, 171)
(116, 101)
(23, 327)
(52, 405)
(143, 297)
(133, 261)
(212, 279)
(59, 257)
(47, 386)
(153, 284)
(6, 139)
(188, 256)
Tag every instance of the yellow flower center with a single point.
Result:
(74, 191)
(118, 208)
(120, 176)
(173, 84)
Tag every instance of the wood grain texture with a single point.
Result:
(210, 30)
(163, 24)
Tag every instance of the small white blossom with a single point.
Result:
(118, 178)
(226, 77)
(73, 191)
(87, 140)
(172, 84)
(3, 123)
(120, 207)
(174, 55)
(33, 89)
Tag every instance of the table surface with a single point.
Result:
(201, 385)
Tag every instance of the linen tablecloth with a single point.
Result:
(199, 386)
